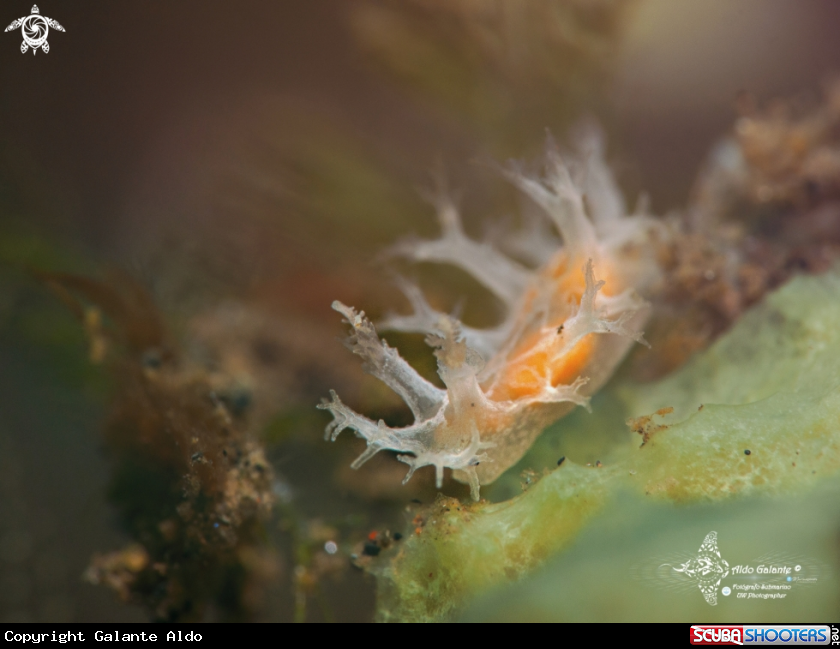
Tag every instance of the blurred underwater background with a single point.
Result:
(185, 188)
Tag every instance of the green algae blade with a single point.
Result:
(757, 414)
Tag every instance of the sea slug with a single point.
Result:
(569, 321)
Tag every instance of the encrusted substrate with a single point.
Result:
(757, 413)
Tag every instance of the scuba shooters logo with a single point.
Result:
(35, 29)
(744, 634)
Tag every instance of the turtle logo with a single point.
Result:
(707, 568)
(35, 28)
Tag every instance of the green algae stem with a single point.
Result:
(771, 386)
(463, 549)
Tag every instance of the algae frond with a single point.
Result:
(756, 413)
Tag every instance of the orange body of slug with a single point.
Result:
(525, 376)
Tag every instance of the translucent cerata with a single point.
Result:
(571, 292)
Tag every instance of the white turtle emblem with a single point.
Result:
(34, 28)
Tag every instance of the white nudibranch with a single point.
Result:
(569, 322)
